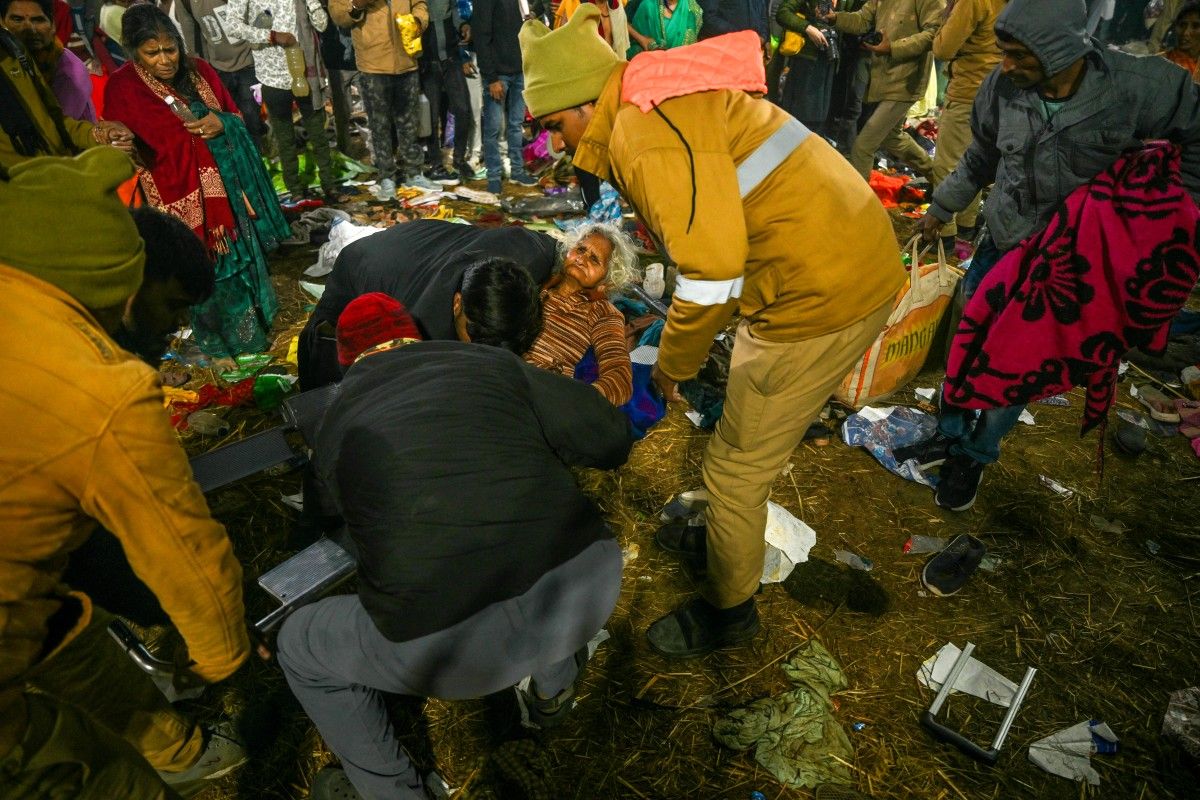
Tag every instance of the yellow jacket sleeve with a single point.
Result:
(708, 245)
(141, 489)
(953, 34)
(857, 22)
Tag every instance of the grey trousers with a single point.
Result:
(392, 104)
(339, 665)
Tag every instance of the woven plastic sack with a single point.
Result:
(899, 352)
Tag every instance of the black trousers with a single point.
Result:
(239, 85)
(445, 87)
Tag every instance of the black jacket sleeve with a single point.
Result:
(581, 427)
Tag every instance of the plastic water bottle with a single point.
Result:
(207, 423)
(298, 70)
(654, 283)
(918, 544)
(853, 560)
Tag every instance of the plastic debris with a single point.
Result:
(630, 552)
(882, 430)
(858, 727)
(990, 563)
(293, 501)
(1098, 523)
(314, 289)
(757, 795)
(918, 544)
(854, 560)
(1026, 417)
(1181, 722)
(977, 678)
(206, 423)
(1068, 753)
(1056, 487)
(1056, 400)
(925, 394)
(1153, 547)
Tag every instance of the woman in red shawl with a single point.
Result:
(201, 166)
(1187, 40)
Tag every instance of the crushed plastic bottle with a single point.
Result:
(654, 283)
(206, 423)
(924, 544)
(298, 69)
(853, 560)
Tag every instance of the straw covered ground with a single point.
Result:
(1110, 626)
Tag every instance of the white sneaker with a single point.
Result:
(384, 190)
(221, 756)
(419, 181)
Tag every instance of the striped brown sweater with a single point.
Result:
(578, 321)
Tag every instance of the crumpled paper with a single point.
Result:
(976, 678)
(788, 543)
(1068, 753)
(795, 735)
(1181, 722)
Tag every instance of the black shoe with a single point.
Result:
(443, 176)
(698, 628)
(929, 453)
(682, 539)
(548, 713)
(1130, 439)
(948, 571)
(959, 483)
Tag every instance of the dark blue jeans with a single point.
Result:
(978, 433)
(512, 107)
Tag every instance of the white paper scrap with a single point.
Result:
(1056, 487)
(1026, 417)
(788, 543)
(976, 678)
(1068, 753)
(925, 394)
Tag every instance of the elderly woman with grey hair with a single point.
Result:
(596, 260)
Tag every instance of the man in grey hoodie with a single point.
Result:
(1057, 112)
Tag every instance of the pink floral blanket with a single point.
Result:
(1110, 271)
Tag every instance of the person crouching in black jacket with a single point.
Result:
(480, 561)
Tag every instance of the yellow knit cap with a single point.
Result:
(567, 67)
(65, 224)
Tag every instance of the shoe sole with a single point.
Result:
(1170, 418)
(728, 641)
(933, 589)
(966, 506)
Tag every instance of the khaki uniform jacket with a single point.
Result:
(968, 41)
(810, 249)
(910, 26)
(84, 440)
(43, 108)
(377, 46)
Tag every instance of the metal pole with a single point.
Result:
(1018, 698)
(948, 684)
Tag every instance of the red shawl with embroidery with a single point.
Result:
(181, 177)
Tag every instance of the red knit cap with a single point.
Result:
(371, 319)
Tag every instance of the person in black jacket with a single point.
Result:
(422, 264)
(480, 561)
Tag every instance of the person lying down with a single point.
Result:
(596, 261)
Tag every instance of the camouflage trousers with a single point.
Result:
(393, 107)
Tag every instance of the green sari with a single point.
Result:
(238, 316)
(650, 21)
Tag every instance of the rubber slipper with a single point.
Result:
(1189, 417)
(1161, 407)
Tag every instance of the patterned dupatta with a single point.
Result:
(182, 179)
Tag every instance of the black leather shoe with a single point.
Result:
(697, 629)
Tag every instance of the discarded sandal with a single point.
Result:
(1161, 407)
(1189, 417)
(1130, 439)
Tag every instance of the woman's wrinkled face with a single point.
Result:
(159, 56)
(1187, 28)
(587, 261)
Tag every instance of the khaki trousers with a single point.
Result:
(954, 137)
(775, 391)
(885, 129)
(97, 727)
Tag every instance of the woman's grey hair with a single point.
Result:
(623, 268)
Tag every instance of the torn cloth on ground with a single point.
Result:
(795, 735)
(884, 430)
(1068, 753)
